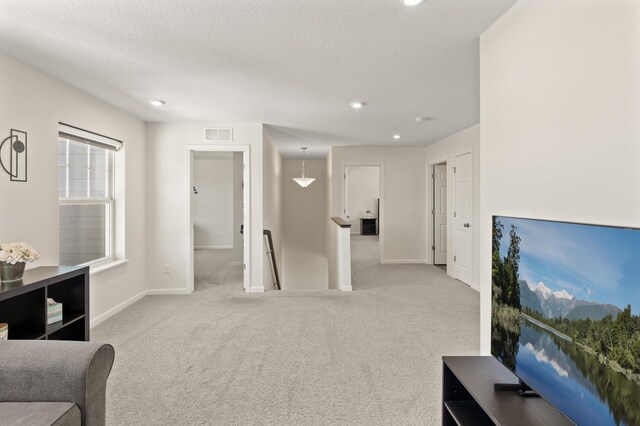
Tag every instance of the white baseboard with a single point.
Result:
(255, 290)
(170, 291)
(475, 287)
(236, 263)
(116, 309)
(403, 261)
(212, 247)
(346, 288)
(111, 312)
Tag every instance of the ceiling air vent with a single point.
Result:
(219, 134)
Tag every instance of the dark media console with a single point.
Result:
(469, 398)
(520, 387)
(23, 304)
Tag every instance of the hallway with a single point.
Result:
(220, 356)
(215, 268)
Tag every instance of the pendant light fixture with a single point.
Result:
(304, 181)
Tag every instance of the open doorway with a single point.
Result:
(362, 207)
(439, 215)
(218, 217)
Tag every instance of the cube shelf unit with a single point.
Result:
(23, 304)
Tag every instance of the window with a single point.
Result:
(86, 196)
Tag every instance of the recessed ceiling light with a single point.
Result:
(157, 103)
(357, 104)
(411, 2)
(396, 136)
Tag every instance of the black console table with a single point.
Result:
(468, 397)
(23, 304)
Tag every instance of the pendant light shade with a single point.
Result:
(304, 181)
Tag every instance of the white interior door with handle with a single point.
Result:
(463, 217)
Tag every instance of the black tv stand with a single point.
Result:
(520, 387)
(469, 396)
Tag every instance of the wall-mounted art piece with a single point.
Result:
(13, 155)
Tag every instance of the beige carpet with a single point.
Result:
(221, 357)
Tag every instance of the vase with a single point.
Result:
(9, 272)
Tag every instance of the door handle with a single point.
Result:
(466, 225)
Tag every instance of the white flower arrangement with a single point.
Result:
(17, 252)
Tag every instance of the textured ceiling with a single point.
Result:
(292, 64)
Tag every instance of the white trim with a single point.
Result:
(381, 214)
(349, 288)
(166, 291)
(108, 201)
(66, 166)
(473, 286)
(101, 267)
(451, 188)
(225, 247)
(403, 261)
(246, 198)
(111, 312)
(119, 308)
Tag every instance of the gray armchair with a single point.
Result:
(54, 382)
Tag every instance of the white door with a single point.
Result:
(463, 210)
(440, 214)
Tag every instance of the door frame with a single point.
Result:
(381, 213)
(429, 229)
(432, 209)
(246, 199)
(448, 158)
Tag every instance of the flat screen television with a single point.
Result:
(565, 315)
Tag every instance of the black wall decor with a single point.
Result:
(14, 149)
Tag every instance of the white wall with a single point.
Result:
(304, 218)
(363, 183)
(447, 149)
(213, 205)
(167, 192)
(402, 216)
(560, 114)
(35, 103)
(331, 242)
(272, 208)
